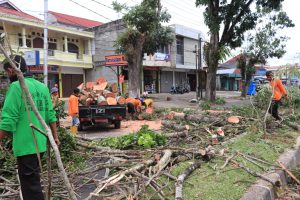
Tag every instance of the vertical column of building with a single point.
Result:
(24, 37)
(66, 43)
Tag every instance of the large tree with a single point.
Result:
(227, 22)
(263, 43)
(144, 35)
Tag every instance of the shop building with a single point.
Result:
(69, 50)
(170, 66)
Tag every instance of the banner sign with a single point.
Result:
(115, 60)
(32, 57)
(161, 57)
(40, 69)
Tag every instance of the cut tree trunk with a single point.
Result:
(184, 133)
(101, 101)
(121, 100)
(107, 93)
(182, 177)
(163, 162)
(175, 126)
(111, 101)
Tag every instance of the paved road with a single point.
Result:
(160, 101)
(183, 100)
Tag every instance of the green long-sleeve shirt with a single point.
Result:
(15, 118)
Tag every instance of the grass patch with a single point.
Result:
(207, 183)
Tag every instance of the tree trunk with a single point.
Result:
(210, 93)
(135, 69)
(244, 89)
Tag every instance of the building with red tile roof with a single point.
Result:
(73, 21)
(8, 9)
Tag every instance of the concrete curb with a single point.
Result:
(263, 190)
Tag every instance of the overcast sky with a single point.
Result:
(183, 12)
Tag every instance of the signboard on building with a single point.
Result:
(115, 60)
(40, 69)
(161, 57)
(99, 63)
(32, 57)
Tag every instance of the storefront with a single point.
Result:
(67, 78)
(151, 79)
(38, 72)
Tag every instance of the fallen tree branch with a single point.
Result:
(181, 178)
(289, 172)
(163, 162)
(177, 134)
(116, 178)
(174, 125)
(106, 150)
(252, 172)
(293, 125)
(227, 161)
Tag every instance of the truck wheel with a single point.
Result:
(117, 124)
(80, 127)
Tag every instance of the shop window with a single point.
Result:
(73, 48)
(28, 42)
(179, 50)
(38, 42)
(52, 46)
(163, 49)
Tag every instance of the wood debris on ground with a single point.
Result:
(130, 173)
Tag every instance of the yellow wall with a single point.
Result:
(60, 57)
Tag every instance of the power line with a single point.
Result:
(90, 10)
(102, 4)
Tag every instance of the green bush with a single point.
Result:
(220, 101)
(263, 97)
(205, 105)
(294, 97)
(144, 138)
(60, 110)
(68, 144)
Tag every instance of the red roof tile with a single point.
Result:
(233, 60)
(17, 13)
(75, 21)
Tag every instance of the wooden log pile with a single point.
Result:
(100, 93)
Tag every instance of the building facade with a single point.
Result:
(69, 50)
(170, 66)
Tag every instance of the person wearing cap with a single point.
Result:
(54, 96)
(28, 144)
(278, 91)
(55, 88)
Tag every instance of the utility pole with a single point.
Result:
(197, 78)
(46, 42)
(200, 66)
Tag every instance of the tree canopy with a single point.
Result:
(228, 21)
(144, 34)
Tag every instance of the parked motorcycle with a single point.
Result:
(177, 90)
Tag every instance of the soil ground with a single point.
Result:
(160, 101)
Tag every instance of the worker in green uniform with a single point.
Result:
(15, 120)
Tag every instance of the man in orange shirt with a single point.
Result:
(133, 105)
(73, 107)
(278, 91)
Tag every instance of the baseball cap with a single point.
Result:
(53, 90)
